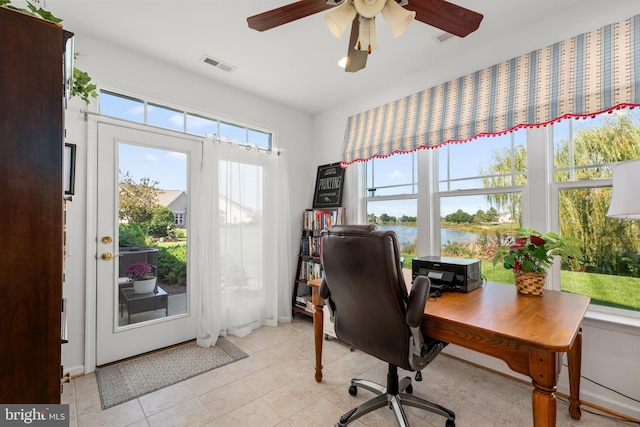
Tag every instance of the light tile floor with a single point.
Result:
(275, 386)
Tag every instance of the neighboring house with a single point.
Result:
(177, 201)
(504, 217)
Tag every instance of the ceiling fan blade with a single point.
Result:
(356, 59)
(446, 16)
(285, 14)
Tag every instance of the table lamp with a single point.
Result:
(625, 200)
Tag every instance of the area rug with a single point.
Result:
(128, 380)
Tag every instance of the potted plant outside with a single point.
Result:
(530, 254)
(140, 273)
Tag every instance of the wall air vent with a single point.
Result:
(443, 37)
(217, 63)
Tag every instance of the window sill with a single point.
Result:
(612, 321)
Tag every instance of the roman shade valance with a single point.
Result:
(595, 72)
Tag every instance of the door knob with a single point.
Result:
(108, 255)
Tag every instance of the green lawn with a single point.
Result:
(604, 289)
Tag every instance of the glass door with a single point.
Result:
(145, 238)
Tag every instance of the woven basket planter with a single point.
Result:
(530, 283)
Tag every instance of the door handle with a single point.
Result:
(108, 255)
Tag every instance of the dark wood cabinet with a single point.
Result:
(31, 203)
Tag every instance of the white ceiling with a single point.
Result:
(296, 64)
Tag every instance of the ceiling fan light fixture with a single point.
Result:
(339, 18)
(397, 17)
(369, 8)
(367, 37)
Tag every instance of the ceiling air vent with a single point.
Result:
(443, 37)
(217, 63)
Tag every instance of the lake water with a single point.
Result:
(408, 234)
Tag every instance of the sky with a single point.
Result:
(169, 168)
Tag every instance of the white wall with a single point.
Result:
(117, 69)
(610, 350)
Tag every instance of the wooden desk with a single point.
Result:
(529, 333)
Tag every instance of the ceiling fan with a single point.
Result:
(441, 14)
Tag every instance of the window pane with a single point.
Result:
(261, 139)
(399, 216)
(233, 132)
(165, 117)
(474, 226)
(152, 207)
(198, 125)
(610, 274)
(583, 149)
(485, 162)
(121, 107)
(396, 174)
(133, 109)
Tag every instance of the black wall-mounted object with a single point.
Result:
(329, 186)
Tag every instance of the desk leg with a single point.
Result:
(318, 318)
(543, 370)
(574, 357)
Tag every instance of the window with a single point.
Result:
(165, 117)
(139, 111)
(391, 202)
(482, 190)
(393, 175)
(472, 227)
(485, 162)
(122, 107)
(480, 197)
(583, 151)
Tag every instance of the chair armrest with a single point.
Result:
(324, 293)
(324, 290)
(417, 301)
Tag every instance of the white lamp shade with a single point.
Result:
(625, 200)
(339, 18)
(397, 17)
(367, 36)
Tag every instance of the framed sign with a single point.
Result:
(329, 186)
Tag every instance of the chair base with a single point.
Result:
(393, 396)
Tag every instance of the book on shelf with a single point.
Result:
(304, 302)
(304, 246)
(310, 270)
(317, 219)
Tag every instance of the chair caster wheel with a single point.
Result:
(419, 376)
(409, 389)
(353, 390)
(450, 423)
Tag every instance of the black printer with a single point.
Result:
(448, 274)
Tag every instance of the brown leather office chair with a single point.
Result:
(365, 290)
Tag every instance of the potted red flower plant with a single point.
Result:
(530, 254)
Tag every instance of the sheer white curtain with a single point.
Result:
(244, 245)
